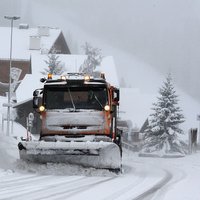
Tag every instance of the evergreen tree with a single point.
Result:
(94, 59)
(54, 65)
(162, 133)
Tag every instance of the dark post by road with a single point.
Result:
(11, 18)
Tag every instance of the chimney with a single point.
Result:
(43, 31)
(23, 26)
(34, 43)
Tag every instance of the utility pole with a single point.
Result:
(11, 18)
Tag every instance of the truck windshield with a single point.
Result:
(75, 98)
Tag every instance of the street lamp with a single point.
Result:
(11, 18)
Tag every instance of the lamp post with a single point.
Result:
(11, 18)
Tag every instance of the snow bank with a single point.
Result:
(60, 169)
(8, 151)
(161, 154)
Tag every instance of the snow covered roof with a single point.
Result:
(21, 41)
(70, 62)
(135, 105)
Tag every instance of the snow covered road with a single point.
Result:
(183, 180)
(58, 181)
(142, 179)
(132, 184)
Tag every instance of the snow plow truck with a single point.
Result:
(79, 123)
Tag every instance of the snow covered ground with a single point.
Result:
(142, 178)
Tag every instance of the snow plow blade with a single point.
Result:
(103, 155)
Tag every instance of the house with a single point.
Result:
(25, 42)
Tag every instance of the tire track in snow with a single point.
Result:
(148, 193)
(18, 181)
(178, 175)
(13, 177)
(28, 190)
(57, 191)
(25, 184)
(132, 181)
(73, 192)
(124, 189)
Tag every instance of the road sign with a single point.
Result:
(15, 73)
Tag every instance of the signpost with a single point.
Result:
(11, 18)
(15, 75)
(29, 121)
(198, 119)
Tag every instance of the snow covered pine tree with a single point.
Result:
(54, 65)
(94, 59)
(162, 133)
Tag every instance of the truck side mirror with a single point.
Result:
(37, 92)
(35, 102)
(37, 98)
(116, 95)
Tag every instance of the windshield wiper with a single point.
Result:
(72, 100)
(96, 98)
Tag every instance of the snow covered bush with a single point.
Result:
(162, 133)
(94, 59)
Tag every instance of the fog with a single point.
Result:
(148, 38)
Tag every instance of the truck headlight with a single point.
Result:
(107, 108)
(87, 78)
(41, 108)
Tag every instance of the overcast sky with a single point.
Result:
(162, 34)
